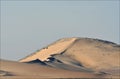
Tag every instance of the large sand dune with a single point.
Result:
(94, 54)
(69, 58)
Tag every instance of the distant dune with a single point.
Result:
(80, 57)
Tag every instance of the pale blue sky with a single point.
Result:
(27, 26)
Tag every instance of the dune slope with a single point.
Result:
(56, 47)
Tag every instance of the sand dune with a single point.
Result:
(68, 58)
(23, 70)
(94, 54)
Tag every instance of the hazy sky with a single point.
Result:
(27, 26)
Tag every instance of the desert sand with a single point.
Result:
(67, 58)
(12, 69)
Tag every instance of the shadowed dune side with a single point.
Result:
(95, 54)
(24, 70)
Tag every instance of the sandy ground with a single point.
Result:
(12, 69)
